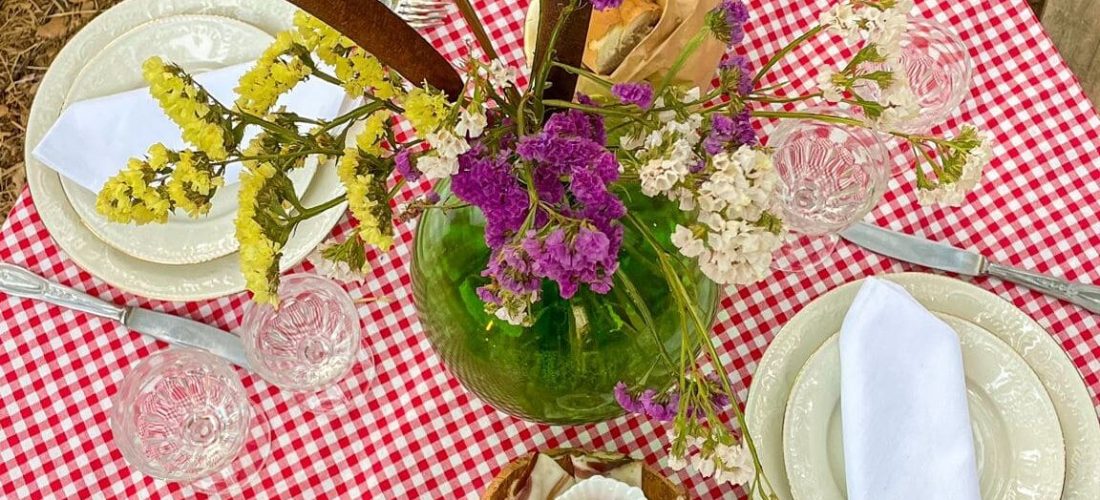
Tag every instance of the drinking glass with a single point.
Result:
(307, 344)
(182, 415)
(831, 175)
(938, 68)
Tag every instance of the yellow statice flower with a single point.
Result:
(356, 68)
(367, 198)
(425, 110)
(320, 38)
(188, 106)
(360, 72)
(370, 139)
(259, 254)
(276, 72)
(193, 184)
(132, 196)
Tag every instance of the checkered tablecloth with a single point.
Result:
(416, 433)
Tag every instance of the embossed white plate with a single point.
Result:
(811, 327)
(197, 43)
(1017, 438)
(199, 281)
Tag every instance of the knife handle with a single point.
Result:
(19, 282)
(1084, 295)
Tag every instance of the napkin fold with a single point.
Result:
(93, 139)
(904, 408)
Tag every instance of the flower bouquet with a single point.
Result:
(553, 217)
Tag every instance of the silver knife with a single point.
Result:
(947, 258)
(17, 281)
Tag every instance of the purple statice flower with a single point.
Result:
(727, 21)
(404, 164)
(638, 94)
(573, 260)
(728, 132)
(490, 184)
(648, 403)
(606, 4)
(578, 124)
(736, 73)
(432, 197)
(625, 400)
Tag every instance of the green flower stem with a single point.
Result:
(778, 56)
(350, 116)
(470, 15)
(841, 120)
(557, 103)
(767, 99)
(603, 82)
(681, 295)
(315, 71)
(317, 210)
(689, 48)
(287, 134)
(396, 187)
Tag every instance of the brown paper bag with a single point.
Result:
(656, 52)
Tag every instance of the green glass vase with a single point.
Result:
(563, 368)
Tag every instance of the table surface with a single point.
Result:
(416, 433)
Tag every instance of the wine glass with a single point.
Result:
(938, 69)
(831, 175)
(307, 344)
(182, 415)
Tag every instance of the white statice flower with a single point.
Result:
(685, 240)
(436, 167)
(884, 28)
(338, 270)
(501, 75)
(471, 123)
(740, 253)
(953, 194)
(902, 105)
(736, 464)
(704, 465)
(660, 175)
(447, 143)
(841, 19)
(442, 161)
(830, 91)
(676, 463)
(630, 142)
(671, 153)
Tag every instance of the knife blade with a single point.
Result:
(915, 250)
(926, 253)
(20, 282)
(182, 331)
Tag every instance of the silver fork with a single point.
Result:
(421, 13)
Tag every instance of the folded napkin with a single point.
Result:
(93, 139)
(903, 401)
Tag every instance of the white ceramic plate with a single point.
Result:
(1017, 439)
(811, 327)
(204, 280)
(197, 43)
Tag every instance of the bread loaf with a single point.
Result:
(613, 33)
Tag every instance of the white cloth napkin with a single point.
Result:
(93, 139)
(903, 401)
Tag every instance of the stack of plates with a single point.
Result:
(185, 259)
(1036, 431)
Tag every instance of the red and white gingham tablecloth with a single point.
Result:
(416, 433)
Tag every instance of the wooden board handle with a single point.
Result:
(570, 44)
(397, 45)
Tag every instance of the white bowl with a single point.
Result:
(602, 488)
